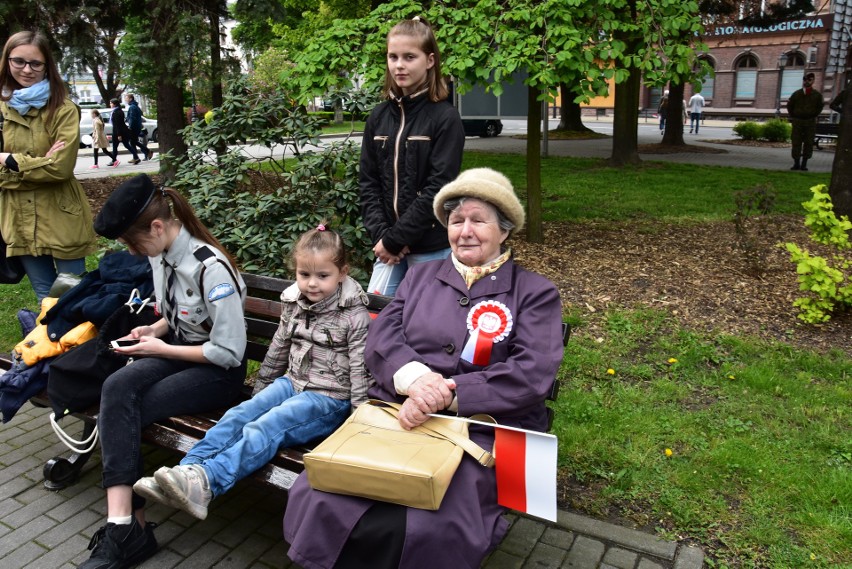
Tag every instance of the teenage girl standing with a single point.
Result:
(44, 214)
(412, 147)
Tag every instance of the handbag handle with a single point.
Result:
(482, 456)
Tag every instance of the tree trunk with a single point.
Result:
(216, 97)
(625, 123)
(674, 119)
(840, 188)
(215, 57)
(170, 116)
(534, 229)
(572, 118)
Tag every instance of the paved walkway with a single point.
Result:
(760, 157)
(40, 529)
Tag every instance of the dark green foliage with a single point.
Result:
(747, 130)
(773, 130)
(258, 206)
(776, 130)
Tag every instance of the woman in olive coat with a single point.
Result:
(45, 217)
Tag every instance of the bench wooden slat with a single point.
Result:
(180, 433)
(263, 307)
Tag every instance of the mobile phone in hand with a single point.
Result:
(123, 343)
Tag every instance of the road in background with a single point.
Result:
(509, 142)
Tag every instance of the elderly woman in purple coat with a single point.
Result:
(474, 333)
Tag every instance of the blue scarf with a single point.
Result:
(35, 96)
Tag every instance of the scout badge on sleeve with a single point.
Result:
(489, 322)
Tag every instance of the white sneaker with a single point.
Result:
(148, 488)
(186, 487)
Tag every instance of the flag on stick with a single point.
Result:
(525, 462)
(526, 471)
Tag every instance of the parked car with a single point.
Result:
(482, 127)
(149, 127)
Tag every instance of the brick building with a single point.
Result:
(757, 68)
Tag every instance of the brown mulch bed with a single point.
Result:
(695, 272)
(698, 273)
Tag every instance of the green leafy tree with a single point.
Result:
(258, 214)
(488, 41)
(84, 34)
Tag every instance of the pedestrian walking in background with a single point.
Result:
(804, 106)
(120, 132)
(134, 123)
(99, 140)
(696, 107)
(663, 111)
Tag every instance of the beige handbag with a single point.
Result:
(372, 456)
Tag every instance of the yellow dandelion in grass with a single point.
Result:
(672, 360)
(731, 377)
(610, 371)
(669, 452)
(813, 557)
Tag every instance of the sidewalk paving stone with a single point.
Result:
(40, 528)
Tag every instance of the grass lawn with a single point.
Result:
(760, 470)
(740, 445)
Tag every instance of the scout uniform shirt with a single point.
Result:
(209, 313)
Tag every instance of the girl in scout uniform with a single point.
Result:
(190, 361)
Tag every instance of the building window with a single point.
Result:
(708, 82)
(791, 79)
(746, 85)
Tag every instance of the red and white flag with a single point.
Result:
(526, 471)
(525, 462)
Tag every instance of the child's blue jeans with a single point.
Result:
(249, 435)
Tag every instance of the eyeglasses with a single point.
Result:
(20, 63)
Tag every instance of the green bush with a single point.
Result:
(258, 205)
(748, 130)
(826, 281)
(773, 130)
(776, 130)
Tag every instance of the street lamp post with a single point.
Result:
(782, 63)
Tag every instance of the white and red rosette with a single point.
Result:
(489, 322)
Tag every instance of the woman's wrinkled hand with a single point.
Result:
(430, 393)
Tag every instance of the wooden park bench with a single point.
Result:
(180, 433)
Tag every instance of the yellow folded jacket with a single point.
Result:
(37, 345)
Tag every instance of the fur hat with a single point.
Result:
(124, 206)
(484, 184)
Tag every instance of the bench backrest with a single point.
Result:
(263, 311)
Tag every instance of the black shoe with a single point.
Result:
(796, 166)
(135, 161)
(121, 546)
